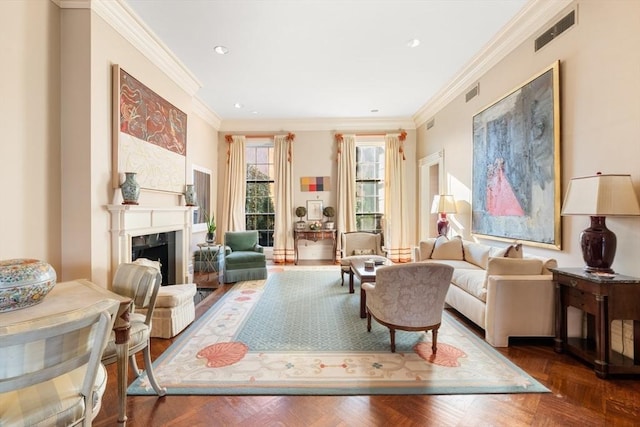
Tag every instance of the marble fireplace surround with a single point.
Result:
(129, 221)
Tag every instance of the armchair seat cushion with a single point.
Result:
(236, 260)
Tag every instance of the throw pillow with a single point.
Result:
(363, 252)
(426, 248)
(448, 249)
(514, 251)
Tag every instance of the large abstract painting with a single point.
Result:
(516, 164)
(150, 136)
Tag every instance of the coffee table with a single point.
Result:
(364, 275)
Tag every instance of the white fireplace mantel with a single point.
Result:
(128, 221)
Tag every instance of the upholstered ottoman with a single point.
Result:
(174, 311)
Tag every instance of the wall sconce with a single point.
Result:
(600, 196)
(442, 205)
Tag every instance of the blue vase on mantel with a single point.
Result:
(190, 195)
(130, 189)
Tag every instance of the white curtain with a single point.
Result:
(235, 186)
(283, 250)
(346, 187)
(396, 192)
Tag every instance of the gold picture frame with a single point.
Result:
(516, 164)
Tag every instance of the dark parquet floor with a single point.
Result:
(577, 398)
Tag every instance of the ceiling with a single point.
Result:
(301, 59)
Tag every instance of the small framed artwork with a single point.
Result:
(314, 210)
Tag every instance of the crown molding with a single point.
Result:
(204, 112)
(325, 124)
(533, 16)
(123, 19)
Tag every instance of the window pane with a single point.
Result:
(259, 204)
(369, 187)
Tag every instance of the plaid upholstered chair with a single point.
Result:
(51, 372)
(141, 283)
(409, 297)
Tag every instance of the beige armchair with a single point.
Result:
(409, 297)
(359, 245)
(141, 283)
(51, 372)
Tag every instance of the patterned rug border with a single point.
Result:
(524, 383)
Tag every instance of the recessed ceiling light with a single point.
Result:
(221, 50)
(413, 43)
(254, 112)
(238, 105)
(374, 110)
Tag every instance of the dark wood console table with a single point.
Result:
(604, 299)
(314, 235)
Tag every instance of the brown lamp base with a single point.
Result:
(443, 225)
(598, 246)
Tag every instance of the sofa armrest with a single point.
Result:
(258, 248)
(522, 305)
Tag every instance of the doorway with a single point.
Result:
(431, 176)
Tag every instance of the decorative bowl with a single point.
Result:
(24, 282)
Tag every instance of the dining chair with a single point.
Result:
(50, 370)
(141, 283)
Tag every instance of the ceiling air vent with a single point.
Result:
(472, 93)
(431, 123)
(553, 32)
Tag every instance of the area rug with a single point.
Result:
(300, 333)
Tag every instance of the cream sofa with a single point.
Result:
(498, 289)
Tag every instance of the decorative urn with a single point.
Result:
(24, 282)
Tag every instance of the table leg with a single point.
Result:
(121, 329)
(363, 303)
(351, 290)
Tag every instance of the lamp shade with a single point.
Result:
(444, 203)
(601, 195)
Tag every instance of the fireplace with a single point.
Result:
(148, 232)
(157, 247)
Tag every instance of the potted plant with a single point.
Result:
(210, 221)
(300, 212)
(329, 212)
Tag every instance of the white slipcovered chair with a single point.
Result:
(409, 297)
(359, 245)
(141, 283)
(50, 370)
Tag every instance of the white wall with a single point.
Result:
(600, 116)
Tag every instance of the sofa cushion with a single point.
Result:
(448, 249)
(476, 253)
(471, 281)
(456, 264)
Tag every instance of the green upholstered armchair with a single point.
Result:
(244, 257)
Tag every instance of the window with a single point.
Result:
(259, 205)
(369, 186)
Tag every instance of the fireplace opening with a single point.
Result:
(157, 247)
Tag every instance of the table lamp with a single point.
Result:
(442, 205)
(600, 196)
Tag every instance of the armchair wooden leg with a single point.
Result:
(392, 332)
(368, 322)
(434, 344)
